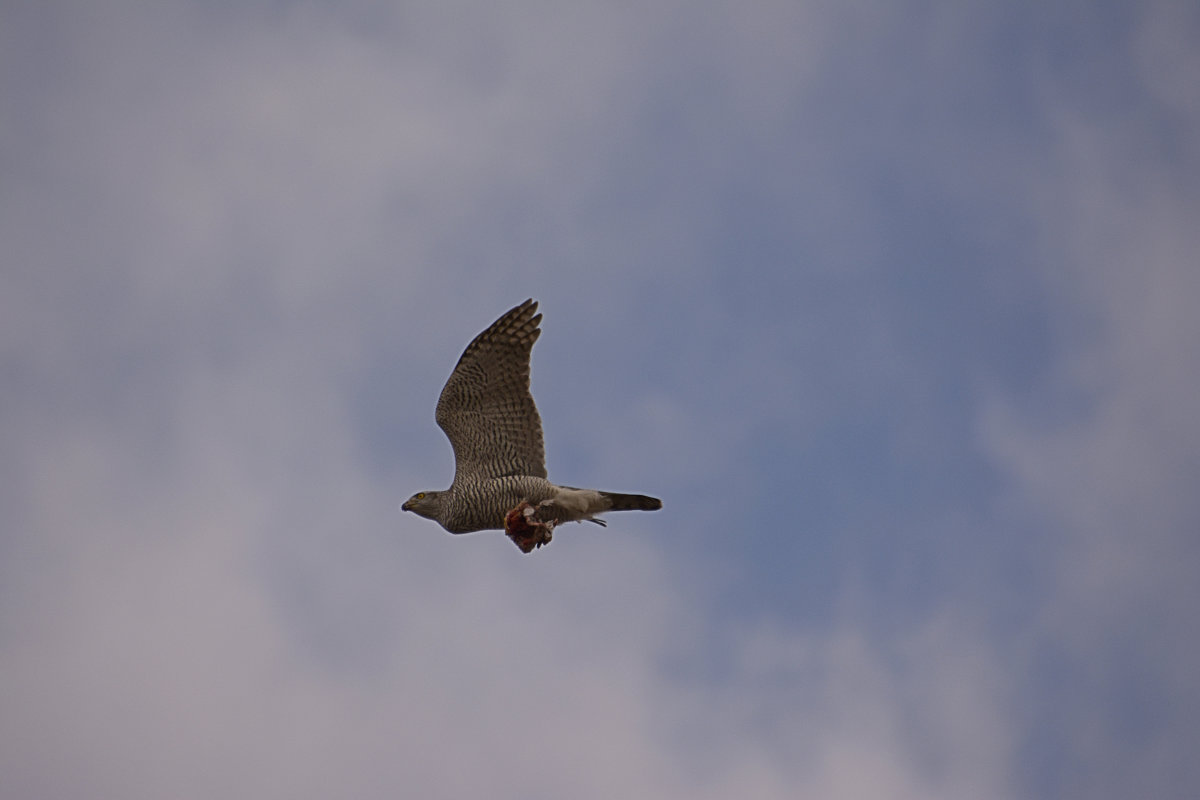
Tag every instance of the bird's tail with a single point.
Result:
(631, 502)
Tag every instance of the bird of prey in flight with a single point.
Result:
(489, 416)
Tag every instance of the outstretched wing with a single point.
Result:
(486, 409)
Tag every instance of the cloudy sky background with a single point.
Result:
(893, 304)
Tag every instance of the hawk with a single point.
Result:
(488, 414)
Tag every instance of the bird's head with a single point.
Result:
(425, 504)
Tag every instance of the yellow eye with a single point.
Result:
(420, 495)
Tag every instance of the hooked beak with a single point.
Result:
(406, 505)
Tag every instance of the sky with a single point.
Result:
(892, 304)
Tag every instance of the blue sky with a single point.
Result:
(891, 303)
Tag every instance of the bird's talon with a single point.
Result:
(527, 531)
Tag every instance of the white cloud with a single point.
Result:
(251, 621)
(223, 220)
(1110, 460)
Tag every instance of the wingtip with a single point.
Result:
(526, 308)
